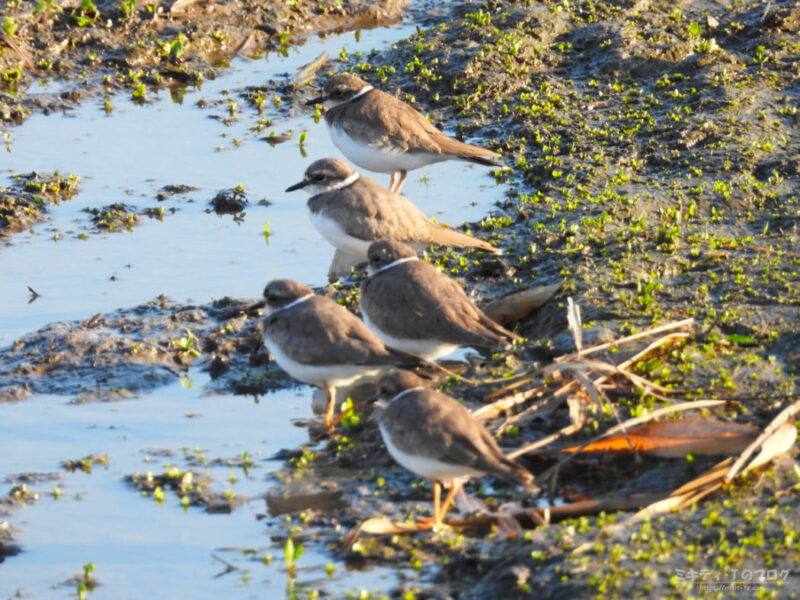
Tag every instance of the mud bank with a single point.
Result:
(655, 176)
(133, 351)
(106, 46)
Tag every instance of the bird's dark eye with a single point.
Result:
(271, 297)
(317, 177)
(337, 93)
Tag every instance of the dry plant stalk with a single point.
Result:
(575, 324)
(23, 56)
(783, 417)
(504, 403)
(309, 71)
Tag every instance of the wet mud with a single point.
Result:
(653, 149)
(105, 46)
(26, 202)
(132, 351)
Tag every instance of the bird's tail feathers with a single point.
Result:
(444, 236)
(486, 162)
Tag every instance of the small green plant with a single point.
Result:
(187, 343)
(86, 581)
(177, 46)
(707, 46)
(694, 30)
(139, 93)
(128, 9)
(86, 14)
(47, 7)
(351, 417)
(760, 56)
(291, 554)
(9, 26)
(481, 18)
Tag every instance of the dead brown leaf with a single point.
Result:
(780, 441)
(676, 438)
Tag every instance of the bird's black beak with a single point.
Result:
(297, 186)
(317, 100)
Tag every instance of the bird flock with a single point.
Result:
(413, 314)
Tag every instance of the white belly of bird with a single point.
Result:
(429, 349)
(425, 466)
(337, 236)
(381, 159)
(334, 375)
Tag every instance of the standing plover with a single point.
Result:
(380, 133)
(436, 437)
(321, 343)
(352, 210)
(414, 307)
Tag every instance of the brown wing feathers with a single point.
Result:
(435, 302)
(413, 130)
(433, 425)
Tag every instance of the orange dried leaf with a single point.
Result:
(679, 437)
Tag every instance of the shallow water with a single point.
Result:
(133, 541)
(132, 154)
(128, 156)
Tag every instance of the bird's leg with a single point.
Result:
(455, 485)
(393, 180)
(437, 502)
(329, 406)
(429, 522)
(399, 186)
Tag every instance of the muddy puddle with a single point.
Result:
(164, 161)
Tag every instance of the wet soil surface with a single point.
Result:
(106, 46)
(655, 154)
(26, 201)
(133, 351)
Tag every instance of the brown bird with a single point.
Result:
(436, 437)
(321, 343)
(380, 133)
(352, 210)
(414, 307)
